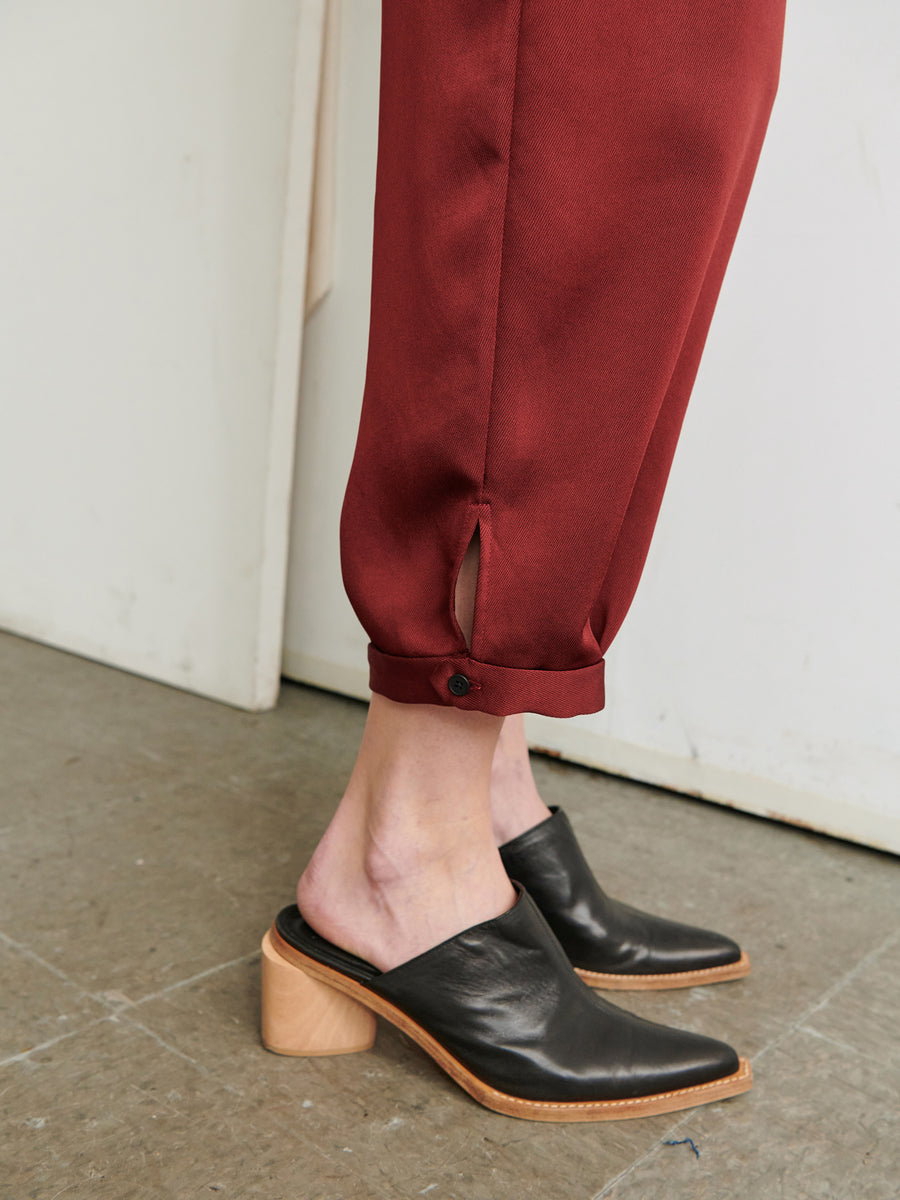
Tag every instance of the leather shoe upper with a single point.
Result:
(503, 999)
(599, 933)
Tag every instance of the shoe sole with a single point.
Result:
(675, 979)
(492, 1098)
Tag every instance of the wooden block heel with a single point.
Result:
(302, 1016)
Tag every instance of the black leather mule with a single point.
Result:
(611, 944)
(500, 1009)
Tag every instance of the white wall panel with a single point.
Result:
(322, 640)
(154, 201)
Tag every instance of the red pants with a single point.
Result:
(559, 187)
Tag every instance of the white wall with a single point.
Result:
(153, 234)
(759, 665)
(322, 639)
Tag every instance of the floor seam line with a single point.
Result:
(117, 1007)
(796, 1026)
(127, 1019)
(28, 953)
(647, 1155)
(181, 983)
(823, 1037)
(24, 1054)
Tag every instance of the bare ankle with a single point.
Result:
(409, 858)
(516, 804)
(387, 897)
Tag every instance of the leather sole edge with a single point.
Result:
(501, 1102)
(675, 979)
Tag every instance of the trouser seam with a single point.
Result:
(493, 375)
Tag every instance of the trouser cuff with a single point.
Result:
(459, 681)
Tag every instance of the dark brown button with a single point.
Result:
(458, 685)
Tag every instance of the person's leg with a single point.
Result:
(406, 910)
(677, 955)
(553, 183)
(409, 858)
(558, 189)
(516, 803)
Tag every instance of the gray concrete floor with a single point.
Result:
(147, 837)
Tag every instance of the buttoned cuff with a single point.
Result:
(459, 681)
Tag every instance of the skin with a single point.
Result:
(410, 857)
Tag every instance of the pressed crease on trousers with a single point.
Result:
(558, 190)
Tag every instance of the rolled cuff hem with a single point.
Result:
(486, 687)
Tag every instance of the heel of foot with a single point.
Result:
(302, 1016)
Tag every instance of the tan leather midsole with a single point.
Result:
(675, 979)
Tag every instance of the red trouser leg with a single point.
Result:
(559, 187)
